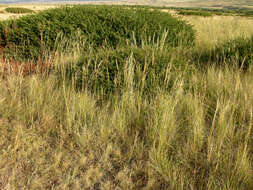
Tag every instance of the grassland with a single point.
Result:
(214, 30)
(178, 117)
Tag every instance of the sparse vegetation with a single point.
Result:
(135, 112)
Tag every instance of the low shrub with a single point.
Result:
(194, 13)
(29, 37)
(18, 10)
(110, 70)
(237, 51)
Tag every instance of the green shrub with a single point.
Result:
(109, 69)
(195, 13)
(2, 35)
(18, 10)
(238, 51)
(31, 36)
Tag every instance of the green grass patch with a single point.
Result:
(18, 10)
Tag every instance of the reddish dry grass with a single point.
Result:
(24, 68)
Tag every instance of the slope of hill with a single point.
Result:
(197, 3)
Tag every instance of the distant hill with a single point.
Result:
(198, 3)
(175, 3)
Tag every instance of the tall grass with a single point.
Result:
(214, 30)
(197, 135)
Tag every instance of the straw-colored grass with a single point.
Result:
(198, 135)
(216, 29)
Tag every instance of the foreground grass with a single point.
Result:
(198, 135)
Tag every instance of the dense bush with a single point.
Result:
(115, 69)
(18, 10)
(31, 36)
(238, 51)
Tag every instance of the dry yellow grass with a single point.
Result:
(53, 137)
(216, 29)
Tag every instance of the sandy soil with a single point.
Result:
(35, 7)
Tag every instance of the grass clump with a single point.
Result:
(29, 36)
(18, 10)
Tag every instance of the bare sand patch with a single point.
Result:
(35, 7)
